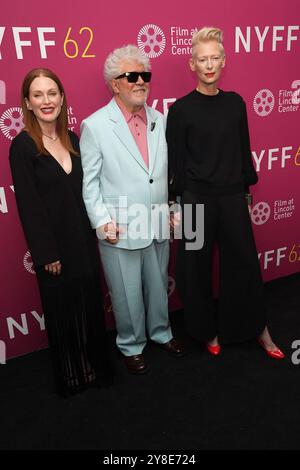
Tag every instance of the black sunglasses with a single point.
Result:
(132, 77)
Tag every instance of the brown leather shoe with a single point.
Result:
(136, 364)
(174, 348)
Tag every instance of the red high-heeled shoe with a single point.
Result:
(276, 354)
(214, 350)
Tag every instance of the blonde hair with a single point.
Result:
(208, 34)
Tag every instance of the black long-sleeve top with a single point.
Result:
(208, 145)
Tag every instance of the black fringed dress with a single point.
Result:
(57, 227)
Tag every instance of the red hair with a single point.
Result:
(31, 123)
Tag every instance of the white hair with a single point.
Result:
(129, 53)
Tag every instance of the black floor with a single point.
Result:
(239, 400)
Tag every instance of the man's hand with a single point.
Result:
(109, 232)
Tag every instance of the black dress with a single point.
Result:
(57, 227)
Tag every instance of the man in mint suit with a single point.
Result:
(124, 159)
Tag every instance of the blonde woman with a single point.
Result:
(210, 164)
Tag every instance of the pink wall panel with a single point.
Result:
(262, 42)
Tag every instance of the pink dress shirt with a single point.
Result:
(137, 123)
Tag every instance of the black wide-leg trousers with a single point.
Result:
(239, 314)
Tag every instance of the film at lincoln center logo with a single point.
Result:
(151, 40)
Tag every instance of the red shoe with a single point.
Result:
(214, 350)
(276, 354)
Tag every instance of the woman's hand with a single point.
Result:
(175, 215)
(53, 268)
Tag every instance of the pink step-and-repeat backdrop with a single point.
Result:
(262, 42)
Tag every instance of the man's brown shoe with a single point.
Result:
(136, 364)
(174, 348)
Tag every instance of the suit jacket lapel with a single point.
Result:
(122, 131)
(152, 137)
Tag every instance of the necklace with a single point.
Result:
(49, 137)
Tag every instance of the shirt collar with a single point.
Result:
(128, 116)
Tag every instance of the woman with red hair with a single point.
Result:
(47, 175)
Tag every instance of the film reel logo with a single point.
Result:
(151, 40)
(28, 264)
(11, 122)
(260, 213)
(263, 102)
